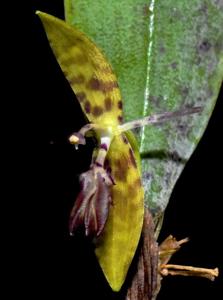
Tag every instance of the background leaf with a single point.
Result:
(167, 55)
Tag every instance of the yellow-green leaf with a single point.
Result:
(96, 88)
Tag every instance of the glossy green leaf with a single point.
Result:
(167, 55)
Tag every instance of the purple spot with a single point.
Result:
(108, 104)
(205, 46)
(147, 176)
(124, 139)
(81, 96)
(120, 104)
(109, 170)
(98, 164)
(106, 163)
(99, 85)
(97, 111)
(94, 84)
(112, 179)
(120, 119)
(87, 107)
(104, 146)
(121, 169)
(174, 65)
(132, 158)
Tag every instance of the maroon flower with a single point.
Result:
(92, 204)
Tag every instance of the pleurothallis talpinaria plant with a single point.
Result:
(115, 172)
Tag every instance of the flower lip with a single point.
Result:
(91, 207)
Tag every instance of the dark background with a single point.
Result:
(48, 263)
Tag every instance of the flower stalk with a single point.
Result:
(91, 207)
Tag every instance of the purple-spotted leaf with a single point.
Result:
(167, 55)
(103, 205)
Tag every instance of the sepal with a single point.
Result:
(91, 207)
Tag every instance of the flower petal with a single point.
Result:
(91, 207)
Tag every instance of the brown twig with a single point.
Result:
(153, 264)
(171, 269)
